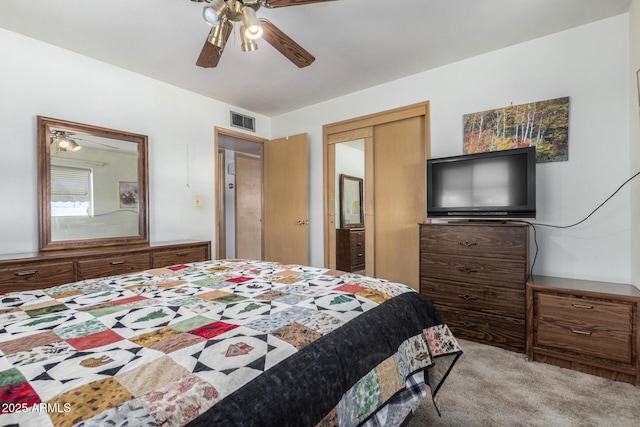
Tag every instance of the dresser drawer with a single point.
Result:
(585, 326)
(357, 256)
(490, 329)
(166, 258)
(36, 276)
(483, 271)
(486, 241)
(101, 267)
(357, 238)
(488, 299)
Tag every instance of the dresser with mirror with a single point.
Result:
(93, 205)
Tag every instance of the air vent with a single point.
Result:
(241, 121)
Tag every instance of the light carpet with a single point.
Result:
(489, 386)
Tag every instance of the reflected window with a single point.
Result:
(71, 191)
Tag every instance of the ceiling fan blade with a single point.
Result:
(284, 3)
(285, 45)
(95, 142)
(210, 53)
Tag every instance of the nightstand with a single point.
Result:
(584, 325)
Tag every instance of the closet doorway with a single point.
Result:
(396, 146)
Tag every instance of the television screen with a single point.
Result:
(493, 184)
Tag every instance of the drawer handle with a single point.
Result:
(359, 244)
(588, 307)
(467, 270)
(468, 297)
(181, 253)
(360, 255)
(467, 243)
(116, 262)
(467, 324)
(580, 332)
(26, 273)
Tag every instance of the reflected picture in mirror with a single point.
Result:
(92, 186)
(351, 208)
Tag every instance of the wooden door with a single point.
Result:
(248, 209)
(400, 198)
(286, 200)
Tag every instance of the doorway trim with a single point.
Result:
(359, 127)
(220, 234)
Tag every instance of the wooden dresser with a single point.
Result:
(475, 274)
(43, 270)
(584, 325)
(350, 249)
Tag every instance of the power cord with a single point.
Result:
(533, 224)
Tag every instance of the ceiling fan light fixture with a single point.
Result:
(248, 45)
(214, 13)
(217, 35)
(252, 27)
(73, 146)
(67, 144)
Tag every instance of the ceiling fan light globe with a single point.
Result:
(73, 146)
(253, 29)
(214, 12)
(248, 44)
(64, 144)
(254, 32)
(210, 16)
(67, 144)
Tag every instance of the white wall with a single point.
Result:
(39, 79)
(634, 151)
(588, 64)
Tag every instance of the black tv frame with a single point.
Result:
(486, 212)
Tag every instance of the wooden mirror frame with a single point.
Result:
(343, 205)
(44, 186)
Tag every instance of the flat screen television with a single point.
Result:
(495, 184)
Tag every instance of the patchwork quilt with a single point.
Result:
(223, 342)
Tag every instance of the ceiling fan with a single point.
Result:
(221, 14)
(68, 141)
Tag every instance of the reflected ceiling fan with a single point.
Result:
(68, 141)
(221, 14)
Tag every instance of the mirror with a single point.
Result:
(92, 186)
(351, 209)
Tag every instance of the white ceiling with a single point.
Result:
(357, 43)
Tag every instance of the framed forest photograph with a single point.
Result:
(542, 124)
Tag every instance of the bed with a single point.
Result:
(224, 343)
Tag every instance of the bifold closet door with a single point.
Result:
(400, 198)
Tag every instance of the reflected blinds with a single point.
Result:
(70, 184)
